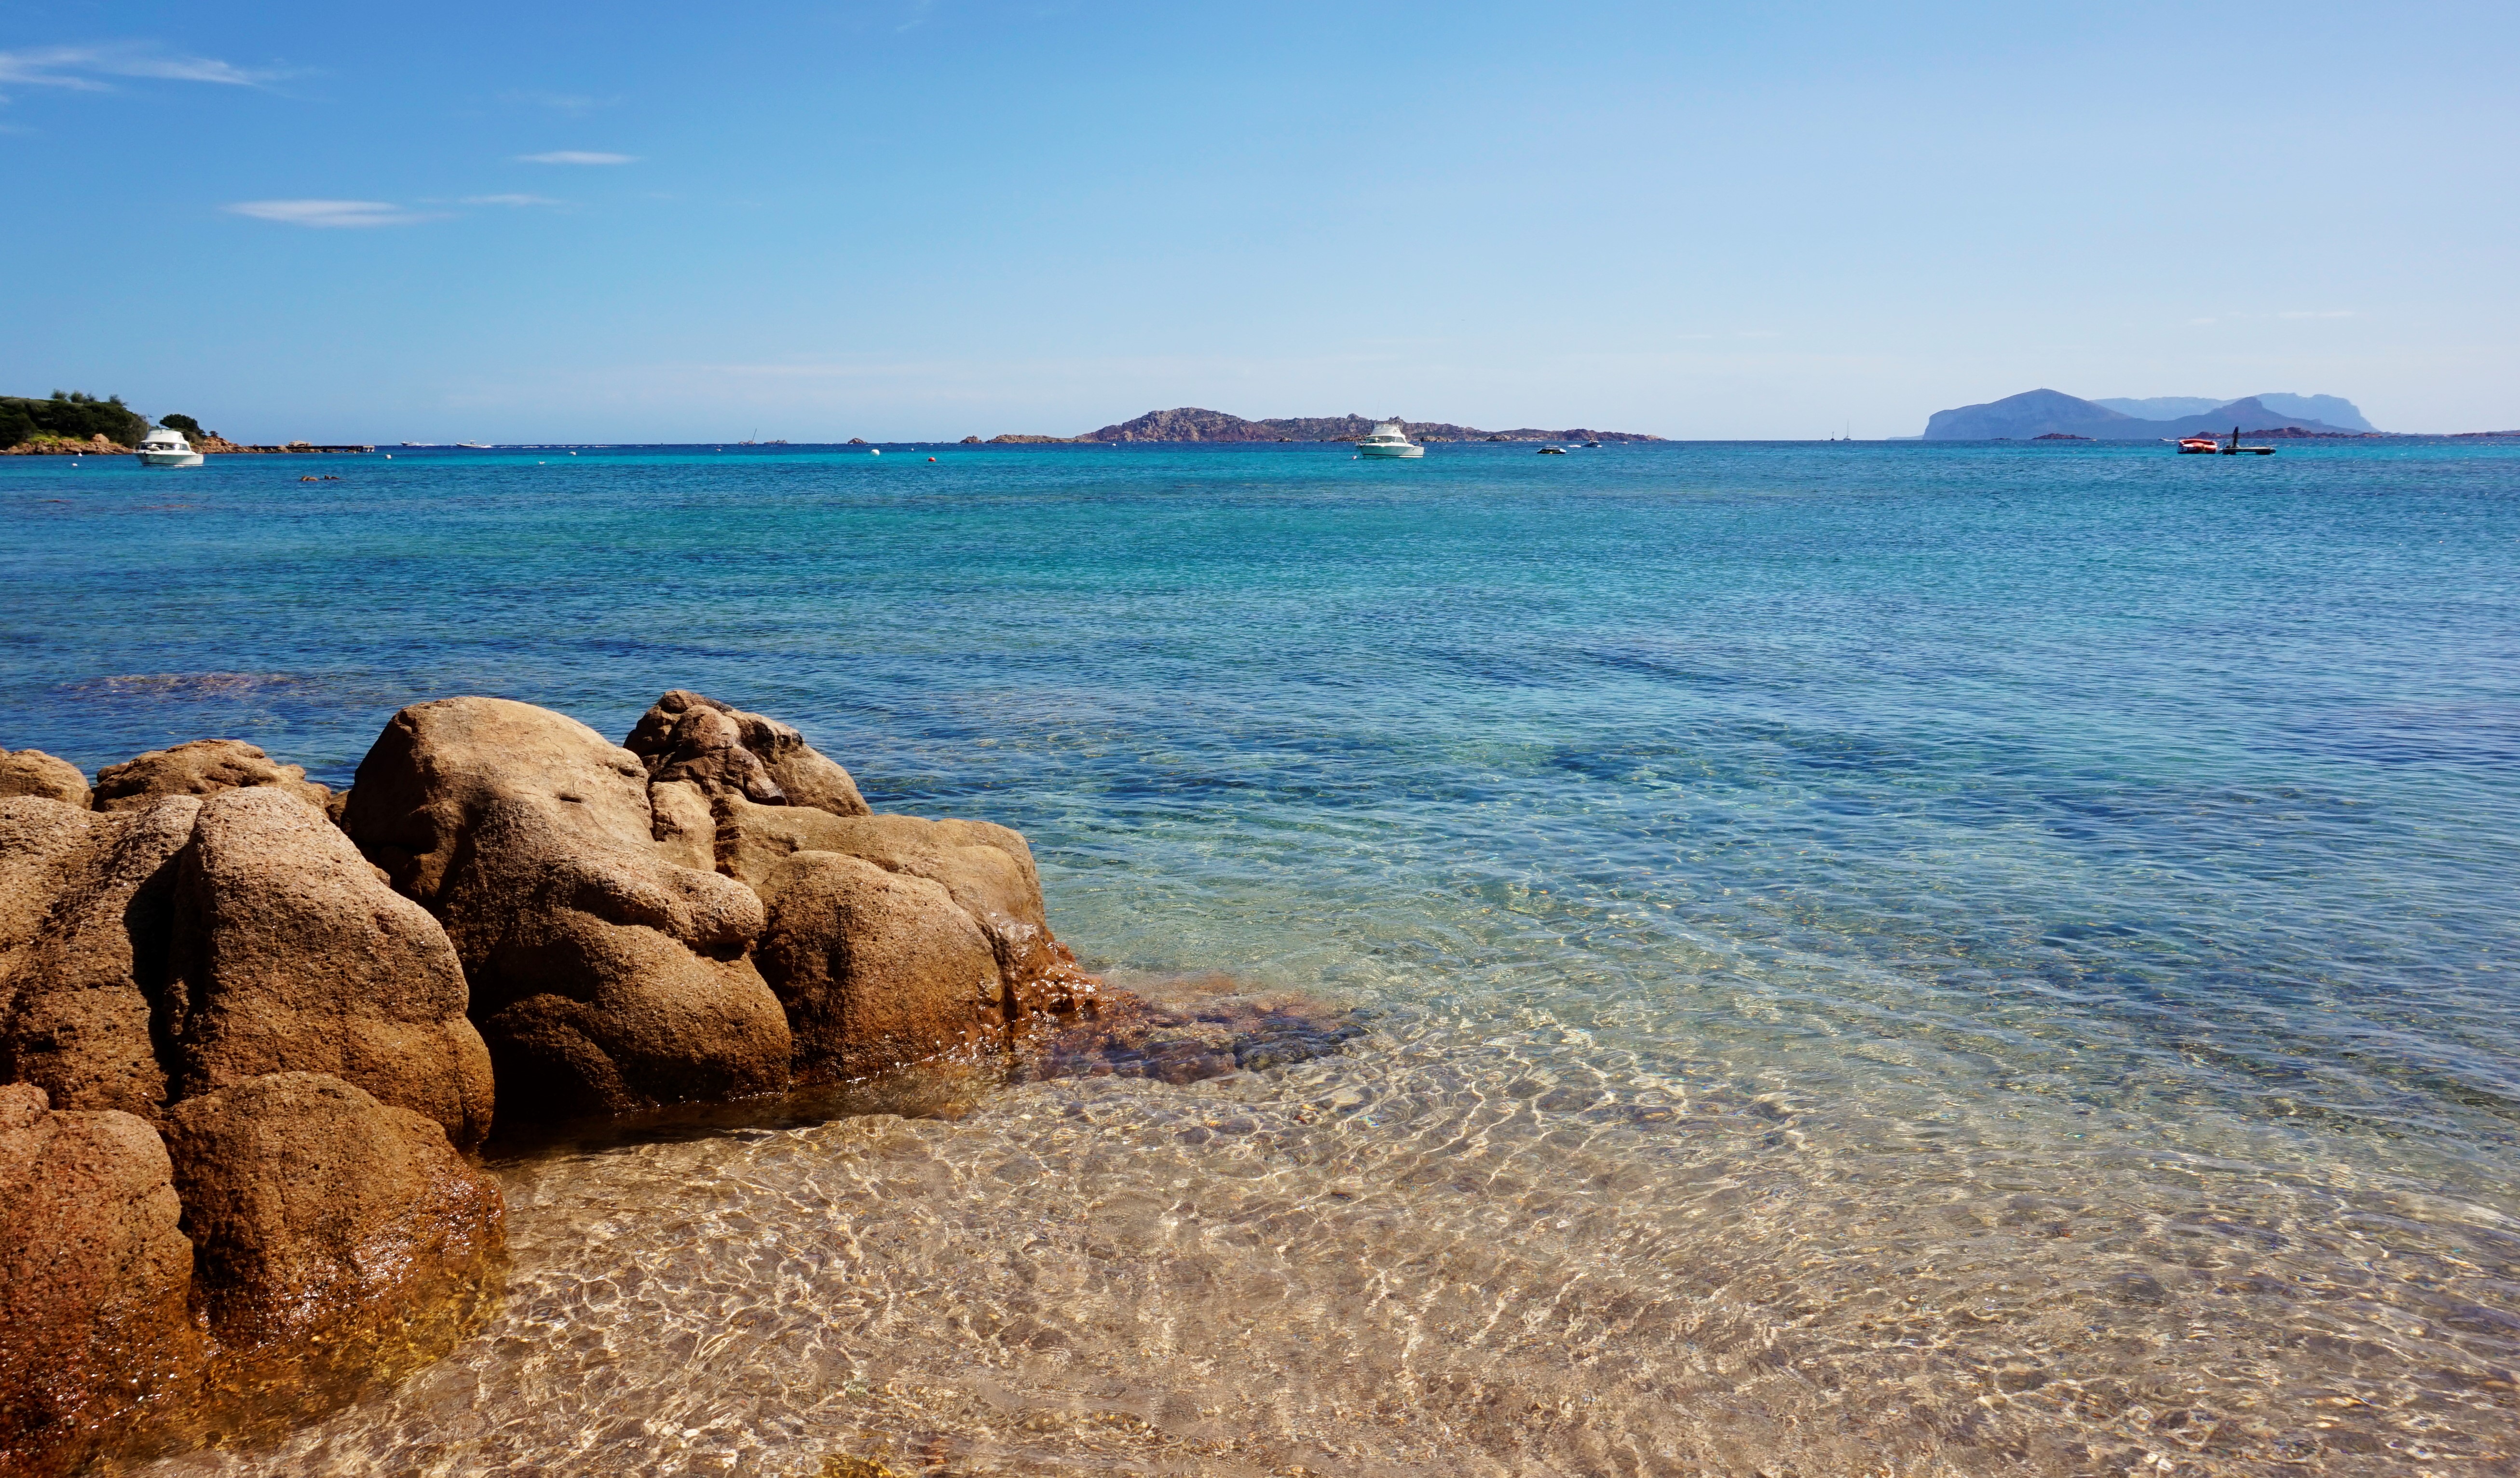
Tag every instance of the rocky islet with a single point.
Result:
(250, 1029)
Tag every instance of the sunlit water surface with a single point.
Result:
(1881, 958)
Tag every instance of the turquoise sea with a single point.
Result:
(1880, 958)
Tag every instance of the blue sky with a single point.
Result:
(927, 218)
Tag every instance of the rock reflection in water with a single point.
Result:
(1506, 1253)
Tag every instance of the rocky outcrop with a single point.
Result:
(65, 446)
(986, 869)
(725, 750)
(86, 904)
(309, 997)
(877, 970)
(32, 771)
(95, 1283)
(319, 1214)
(603, 976)
(291, 954)
(202, 767)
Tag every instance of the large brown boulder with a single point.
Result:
(986, 869)
(317, 1213)
(95, 1278)
(291, 954)
(727, 751)
(202, 767)
(878, 970)
(86, 921)
(603, 976)
(32, 771)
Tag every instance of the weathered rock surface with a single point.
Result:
(94, 1273)
(603, 976)
(32, 771)
(725, 750)
(683, 825)
(877, 970)
(317, 1212)
(291, 956)
(86, 921)
(986, 869)
(200, 768)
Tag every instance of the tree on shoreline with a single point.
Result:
(71, 413)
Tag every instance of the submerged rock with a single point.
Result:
(32, 771)
(95, 1283)
(202, 767)
(603, 976)
(1200, 1028)
(319, 1214)
(86, 921)
(291, 954)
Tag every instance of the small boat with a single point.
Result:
(1389, 440)
(166, 447)
(2209, 446)
(475, 446)
(1550, 451)
(1594, 446)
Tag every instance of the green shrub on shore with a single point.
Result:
(72, 414)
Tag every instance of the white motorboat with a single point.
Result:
(166, 447)
(1389, 440)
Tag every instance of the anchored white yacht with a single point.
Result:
(1389, 440)
(165, 447)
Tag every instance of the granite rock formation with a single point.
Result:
(605, 976)
(200, 768)
(86, 921)
(291, 954)
(96, 1277)
(318, 1211)
(686, 737)
(876, 969)
(32, 771)
(249, 1028)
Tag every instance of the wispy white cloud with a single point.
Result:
(329, 213)
(507, 199)
(577, 156)
(81, 69)
(2307, 313)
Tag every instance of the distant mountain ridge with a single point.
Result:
(2042, 413)
(1193, 423)
(2334, 409)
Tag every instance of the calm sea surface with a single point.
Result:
(1881, 958)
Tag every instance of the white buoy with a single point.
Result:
(872, 451)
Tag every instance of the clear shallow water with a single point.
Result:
(1883, 959)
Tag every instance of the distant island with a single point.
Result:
(76, 423)
(1192, 423)
(2037, 415)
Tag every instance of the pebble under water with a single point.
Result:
(1876, 958)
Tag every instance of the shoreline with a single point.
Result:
(297, 1015)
